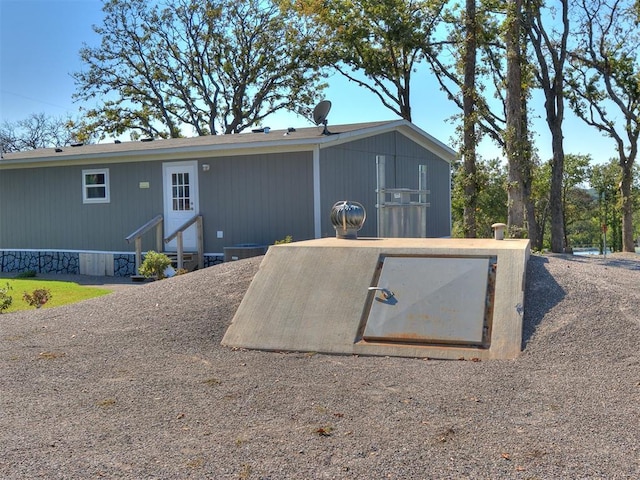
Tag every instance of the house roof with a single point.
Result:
(299, 139)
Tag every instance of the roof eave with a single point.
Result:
(249, 147)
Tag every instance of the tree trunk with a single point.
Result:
(527, 184)
(555, 193)
(515, 135)
(627, 208)
(551, 52)
(469, 123)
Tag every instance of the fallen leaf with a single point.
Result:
(52, 355)
(324, 431)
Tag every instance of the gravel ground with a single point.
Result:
(135, 384)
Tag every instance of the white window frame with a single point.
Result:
(85, 187)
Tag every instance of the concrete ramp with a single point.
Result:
(435, 298)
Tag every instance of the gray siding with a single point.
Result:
(348, 172)
(42, 208)
(257, 199)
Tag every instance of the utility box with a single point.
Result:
(244, 250)
(401, 217)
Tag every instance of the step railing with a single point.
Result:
(197, 219)
(156, 222)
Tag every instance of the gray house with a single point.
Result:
(80, 209)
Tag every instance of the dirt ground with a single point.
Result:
(136, 385)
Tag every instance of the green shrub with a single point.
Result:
(154, 265)
(287, 239)
(38, 298)
(5, 299)
(27, 274)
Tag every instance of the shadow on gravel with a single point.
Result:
(542, 293)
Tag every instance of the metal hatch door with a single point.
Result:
(432, 300)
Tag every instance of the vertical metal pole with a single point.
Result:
(422, 182)
(380, 180)
(422, 186)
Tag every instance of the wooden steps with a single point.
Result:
(189, 260)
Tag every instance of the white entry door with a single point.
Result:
(180, 201)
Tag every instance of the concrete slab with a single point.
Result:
(315, 296)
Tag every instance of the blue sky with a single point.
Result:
(40, 41)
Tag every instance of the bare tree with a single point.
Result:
(38, 130)
(550, 50)
(604, 77)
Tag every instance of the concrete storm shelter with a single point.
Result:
(412, 297)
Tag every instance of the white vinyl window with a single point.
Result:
(95, 186)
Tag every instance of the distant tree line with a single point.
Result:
(38, 130)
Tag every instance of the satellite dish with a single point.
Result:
(320, 113)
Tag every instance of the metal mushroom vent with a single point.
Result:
(347, 218)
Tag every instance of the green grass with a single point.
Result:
(62, 293)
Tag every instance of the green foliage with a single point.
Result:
(154, 265)
(605, 180)
(491, 177)
(215, 67)
(27, 274)
(62, 293)
(287, 239)
(38, 297)
(385, 41)
(5, 298)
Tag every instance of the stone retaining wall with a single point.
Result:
(66, 262)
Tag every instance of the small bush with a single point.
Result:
(5, 299)
(287, 239)
(154, 265)
(27, 274)
(38, 298)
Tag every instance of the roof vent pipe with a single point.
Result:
(498, 230)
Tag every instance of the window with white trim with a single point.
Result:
(95, 186)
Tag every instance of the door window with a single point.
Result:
(181, 196)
